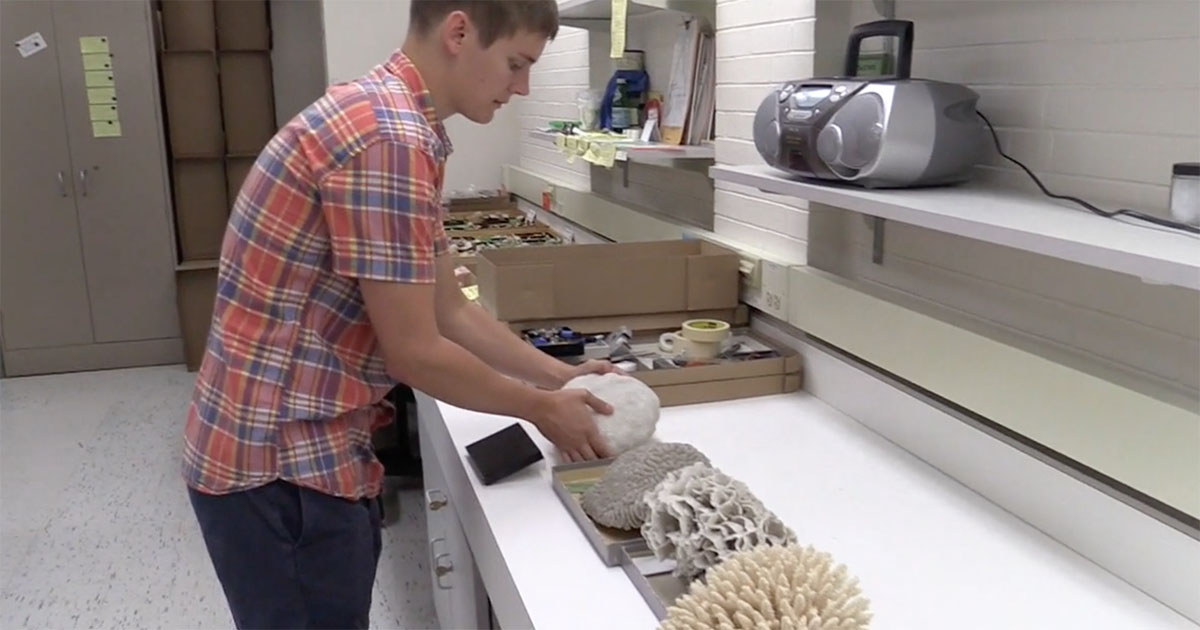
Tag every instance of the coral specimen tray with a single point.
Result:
(652, 577)
(570, 481)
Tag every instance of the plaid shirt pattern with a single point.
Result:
(292, 383)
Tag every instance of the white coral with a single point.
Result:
(776, 588)
(635, 408)
(699, 515)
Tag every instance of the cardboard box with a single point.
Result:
(488, 200)
(607, 279)
(247, 102)
(196, 291)
(193, 100)
(236, 170)
(201, 212)
(243, 25)
(189, 25)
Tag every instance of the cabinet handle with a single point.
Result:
(83, 180)
(442, 570)
(435, 504)
(62, 185)
(435, 558)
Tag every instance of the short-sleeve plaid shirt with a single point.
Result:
(292, 383)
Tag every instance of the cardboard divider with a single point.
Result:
(196, 292)
(201, 212)
(236, 169)
(189, 25)
(247, 101)
(243, 25)
(193, 104)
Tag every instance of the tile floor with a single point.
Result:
(97, 531)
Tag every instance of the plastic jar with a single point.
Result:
(1185, 192)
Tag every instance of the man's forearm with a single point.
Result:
(440, 369)
(476, 330)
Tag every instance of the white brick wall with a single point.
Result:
(555, 81)
(1099, 98)
(759, 44)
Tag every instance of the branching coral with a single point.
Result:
(699, 515)
(773, 588)
(616, 500)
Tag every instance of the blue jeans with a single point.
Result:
(290, 557)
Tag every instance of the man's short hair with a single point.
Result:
(494, 18)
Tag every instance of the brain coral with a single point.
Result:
(616, 501)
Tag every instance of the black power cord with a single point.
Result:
(1149, 218)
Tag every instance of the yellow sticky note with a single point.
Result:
(97, 61)
(619, 8)
(93, 44)
(471, 292)
(97, 96)
(103, 112)
(98, 78)
(560, 141)
(106, 128)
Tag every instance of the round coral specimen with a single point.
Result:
(776, 588)
(616, 500)
(698, 515)
(635, 408)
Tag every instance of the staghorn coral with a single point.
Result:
(635, 408)
(699, 515)
(773, 588)
(616, 500)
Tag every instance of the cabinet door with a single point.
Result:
(121, 179)
(43, 293)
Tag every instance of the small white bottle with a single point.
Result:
(1185, 192)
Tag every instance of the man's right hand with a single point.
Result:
(565, 418)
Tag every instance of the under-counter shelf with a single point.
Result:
(1006, 217)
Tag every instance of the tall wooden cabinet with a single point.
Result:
(86, 242)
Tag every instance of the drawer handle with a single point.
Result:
(62, 184)
(436, 504)
(83, 181)
(442, 569)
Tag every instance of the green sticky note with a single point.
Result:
(98, 78)
(98, 61)
(93, 44)
(106, 128)
(103, 112)
(97, 96)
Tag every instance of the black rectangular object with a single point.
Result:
(502, 453)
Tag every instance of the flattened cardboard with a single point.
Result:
(196, 292)
(201, 212)
(247, 102)
(189, 25)
(596, 280)
(606, 541)
(236, 170)
(243, 25)
(193, 102)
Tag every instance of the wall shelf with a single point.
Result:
(1022, 221)
(597, 14)
(645, 152)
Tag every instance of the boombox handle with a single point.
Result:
(900, 29)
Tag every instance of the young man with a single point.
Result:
(334, 284)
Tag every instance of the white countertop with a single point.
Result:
(928, 552)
